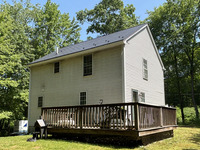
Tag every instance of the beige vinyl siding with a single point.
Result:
(63, 88)
(138, 48)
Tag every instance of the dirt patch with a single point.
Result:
(36, 147)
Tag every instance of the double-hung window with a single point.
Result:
(145, 70)
(82, 98)
(40, 101)
(142, 96)
(56, 67)
(87, 65)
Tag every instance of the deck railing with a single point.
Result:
(155, 116)
(109, 116)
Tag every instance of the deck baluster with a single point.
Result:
(127, 114)
(120, 117)
(97, 117)
(88, 117)
(70, 117)
(131, 116)
(124, 115)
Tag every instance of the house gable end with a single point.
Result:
(146, 78)
(152, 40)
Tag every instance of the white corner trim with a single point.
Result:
(123, 74)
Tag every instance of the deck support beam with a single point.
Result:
(136, 116)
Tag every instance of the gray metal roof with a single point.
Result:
(89, 44)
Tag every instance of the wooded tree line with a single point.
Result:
(28, 32)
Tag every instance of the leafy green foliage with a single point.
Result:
(53, 29)
(108, 16)
(27, 32)
(10, 65)
(190, 118)
(5, 115)
(175, 27)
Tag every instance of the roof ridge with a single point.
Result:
(105, 35)
(92, 43)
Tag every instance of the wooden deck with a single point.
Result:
(133, 120)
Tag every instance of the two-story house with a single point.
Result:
(117, 68)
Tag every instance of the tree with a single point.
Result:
(108, 16)
(53, 29)
(14, 59)
(27, 32)
(9, 63)
(175, 27)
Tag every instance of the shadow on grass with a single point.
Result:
(108, 141)
(190, 149)
(190, 123)
(195, 139)
(116, 142)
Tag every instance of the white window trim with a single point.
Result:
(145, 69)
(42, 101)
(92, 64)
(60, 63)
(80, 98)
(137, 98)
(142, 97)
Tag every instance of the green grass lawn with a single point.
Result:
(184, 138)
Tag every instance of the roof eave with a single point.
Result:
(58, 58)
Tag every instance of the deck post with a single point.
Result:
(161, 117)
(136, 116)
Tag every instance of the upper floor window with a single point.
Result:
(56, 67)
(145, 69)
(82, 98)
(87, 65)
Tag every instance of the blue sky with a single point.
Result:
(73, 6)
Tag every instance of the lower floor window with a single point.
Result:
(40, 101)
(135, 95)
(82, 98)
(142, 96)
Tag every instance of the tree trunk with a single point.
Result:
(182, 112)
(179, 89)
(180, 99)
(192, 87)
